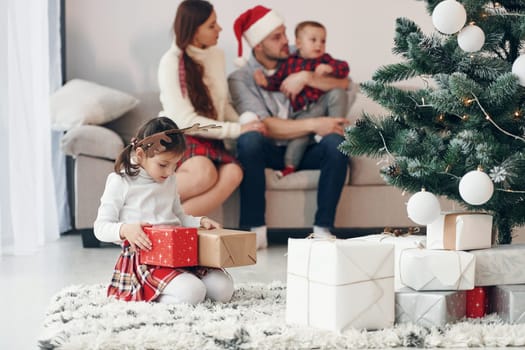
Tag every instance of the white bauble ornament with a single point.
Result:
(476, 187)
(423, 208)
(518, 68)
(471, 38)
(449, 16)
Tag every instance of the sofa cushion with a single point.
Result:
(300, 180)
(365, 171)
(81, 102)
(92, 140)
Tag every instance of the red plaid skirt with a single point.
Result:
(212, 149)
(132, 281)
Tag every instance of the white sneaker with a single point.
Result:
(261, 236)
(322, 232)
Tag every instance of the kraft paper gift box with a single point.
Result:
(171, 246)
(400, 243)
(424, 269)
(503, 264)
(336, 284)
(460, 231)
(430, 308)
(508, 301)
(226, 248)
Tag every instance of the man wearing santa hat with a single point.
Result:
(265, 32)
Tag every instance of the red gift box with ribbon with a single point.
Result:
(477, 302)
(171, 246)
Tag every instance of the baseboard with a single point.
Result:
(281, 235)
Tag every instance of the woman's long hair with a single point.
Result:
(190, 15)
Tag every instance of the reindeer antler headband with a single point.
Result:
(152, 144)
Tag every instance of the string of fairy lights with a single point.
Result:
(475, 187)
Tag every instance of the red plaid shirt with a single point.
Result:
(293, 64)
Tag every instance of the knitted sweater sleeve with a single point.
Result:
(107, 225)
(179, 107)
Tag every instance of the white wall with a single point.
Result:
(119, 42)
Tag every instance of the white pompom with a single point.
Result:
(423, 208)
(476, 187)
(518, 68)
(449, 16)
(240, 61)
(471, 38)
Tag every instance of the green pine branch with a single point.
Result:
(472, 115)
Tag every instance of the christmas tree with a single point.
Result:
(468, 116)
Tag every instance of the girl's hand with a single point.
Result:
(136, 237)
(208, 223)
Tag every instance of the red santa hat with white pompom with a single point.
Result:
(254, 25)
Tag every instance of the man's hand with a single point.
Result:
(136, 237)
(294, 83)
(329, 125)
(323, 69)
(256, 125)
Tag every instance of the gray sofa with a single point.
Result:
(366, 201)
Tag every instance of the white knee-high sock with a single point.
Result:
(185, 288)
(219, 285)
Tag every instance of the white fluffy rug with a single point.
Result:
(81, 317)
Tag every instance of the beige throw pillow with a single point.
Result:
(81, 102)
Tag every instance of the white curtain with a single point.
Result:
(27, 194)
(59, 158)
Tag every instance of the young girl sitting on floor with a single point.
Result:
(143, 191)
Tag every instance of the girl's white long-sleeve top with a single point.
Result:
(179, 107)
(128, 200)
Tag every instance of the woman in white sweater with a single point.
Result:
(193, 89)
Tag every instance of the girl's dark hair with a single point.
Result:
(153, 126)
(190, 15)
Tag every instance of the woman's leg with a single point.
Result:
(195, 176)
(185, 288)
(229, 178)
(219, 285)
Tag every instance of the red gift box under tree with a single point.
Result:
(477, 302)
(171, 246)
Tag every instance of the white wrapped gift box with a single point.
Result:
(508, 301)
(336, 284)
(424, 269)
(400, 243)
(503, 264)
(460, 231)
(430, 308)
